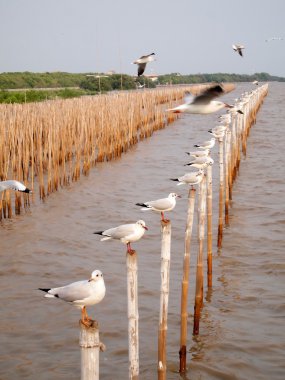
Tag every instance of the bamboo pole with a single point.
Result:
(185, 280)
(90, 347)
(164, 296)
(221, 192)
(227, 170)
(209, 227)
(133, 315)
(199, 269)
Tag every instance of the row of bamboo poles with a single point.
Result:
(231, 136)
(47, 145)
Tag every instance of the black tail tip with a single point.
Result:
(196, 146)
(174, 179)
(44, 290)
(98, 232)
(141, 204)
(239, 111)
(27, 191)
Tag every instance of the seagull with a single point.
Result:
(203, 103)
(201, 162)
(126, 233)
(255, 82)
(199, 153)
(81, 293)
(142, 61)
(161, 205)
(238, 48)
(218, 134)
(206, 144)
(14, 185)
(190, 178)
(218, 129)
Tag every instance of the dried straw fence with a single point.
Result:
(49, 144)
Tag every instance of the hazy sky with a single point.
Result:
(100, 35)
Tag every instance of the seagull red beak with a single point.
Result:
(145, 227)
(228, 105)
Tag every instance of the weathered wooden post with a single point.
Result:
(227, 170)
(133, 315)
(90, 347)
(199, 270)
(209, 227)
(164, 296)
(185, 280)
(221, 192)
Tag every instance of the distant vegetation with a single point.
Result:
(68, 85)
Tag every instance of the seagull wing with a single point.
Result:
(240, 52)
(120, 231)
(209, 94)
(141, 68)
(160, 204)
(188, 97)
(77, 291)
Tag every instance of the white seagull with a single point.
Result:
(203, 103)
(238, 48)
(126, 233)
(206, 144)
(190, 178)
(255, 82)
(201, 162)
(81, 293)
(14, 185)
(161, 205)
(142, 61)
(199, 153)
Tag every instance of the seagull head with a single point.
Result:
(174, 195)
(96, 275)
(142, 224)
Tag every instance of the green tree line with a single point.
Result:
(67, 85)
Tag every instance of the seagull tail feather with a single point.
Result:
(47, 295)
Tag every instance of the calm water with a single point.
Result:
(242, 328)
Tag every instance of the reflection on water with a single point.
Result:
(242, 328)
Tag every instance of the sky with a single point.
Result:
(187, 36)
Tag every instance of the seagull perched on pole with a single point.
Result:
(161, 205)
(126, 233)
(142, 61)
(81, 293)
(202, 103)
(14, 185)
(238, 48)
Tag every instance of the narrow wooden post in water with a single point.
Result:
(209, 226)
(199, 270)
(221, 192)
(185, 280)
(227, 170)
(133, 315)
(90, 347)
(164, 296)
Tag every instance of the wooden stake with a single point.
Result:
(133, 315)
(90, 347)
(185, 280)
(221, 192)
(164, 296)
(199, 270)
(227, 170)
(209, 226)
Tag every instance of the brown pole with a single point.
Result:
(209, 226)
(221, 192)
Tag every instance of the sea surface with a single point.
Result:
(242, 331)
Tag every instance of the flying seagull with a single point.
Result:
(203, 103)
(81, 293)
(142, 61)
(238, 48)
(14, 185)
(126, 233)
(161, 205)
